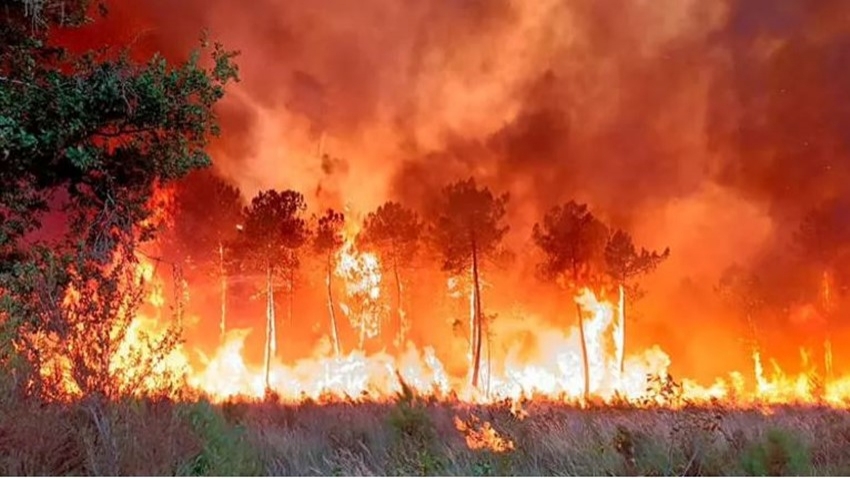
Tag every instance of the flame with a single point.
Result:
(482, 436)
(361, 273)
(553, 369)
(161, 204)
(136, 361)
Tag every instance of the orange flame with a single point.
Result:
(482, 436)
(553, 369)
(361, 272)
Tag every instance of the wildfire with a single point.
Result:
(552, 370)
(134, 354)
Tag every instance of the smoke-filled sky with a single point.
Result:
(706, 126)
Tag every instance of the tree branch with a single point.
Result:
(19, 82)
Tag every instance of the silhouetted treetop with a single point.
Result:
(209, 211)
(274, 227)
(467, 220)
(393, 230)
(623, 261)
(328, 236)
(573, 241)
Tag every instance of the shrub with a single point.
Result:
(415, 446)
(225, 450)
(780, 454)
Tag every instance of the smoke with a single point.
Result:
(711, 127)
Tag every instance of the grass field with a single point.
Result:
(413, 437)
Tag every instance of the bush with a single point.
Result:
(415, 447)
(780, 454)
(225, 450)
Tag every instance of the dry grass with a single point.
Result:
(140, 437)
(162, 438)
(557, 440)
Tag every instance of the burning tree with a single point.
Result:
(573, 241)
(823, 237)
(209, 212)
(466, 229)
(89, 127)
(273, 232)
(623, 262)
(394, 232)
(326, 242)
(93, 133)
(742, 290)
(824, 240)
(71, 312)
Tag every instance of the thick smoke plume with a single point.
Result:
(711, 127)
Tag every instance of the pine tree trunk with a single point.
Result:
(399, 312)
(489, 362)
(476, 366)
(471, 352)
(334, 331)
(827, 360)
(585, 362)
(179, 293)
(584, 359)
(291, 298)
(826, 292)
(620, 340)
(268, 347)
(223, 275)
(272, 320)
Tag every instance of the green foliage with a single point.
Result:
(409, 418)
(102, 129)
(482, 468)
(92, 134)
(640, 454)
(415, 447)
(488, 463)
(225, 452)
(779, 454)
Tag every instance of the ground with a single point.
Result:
(412, 437)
